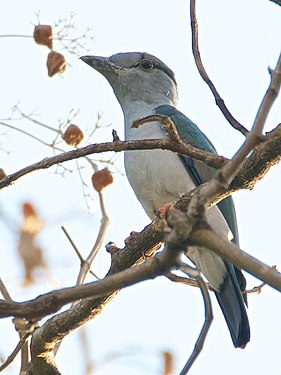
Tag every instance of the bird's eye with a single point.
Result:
(146, 64)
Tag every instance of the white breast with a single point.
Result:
(159, 177)
(156, 176)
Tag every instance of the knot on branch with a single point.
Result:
(181, 225)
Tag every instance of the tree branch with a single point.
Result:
(97, 148)
(278, 2)
(191, 272)
(255, 167)
(196, 53)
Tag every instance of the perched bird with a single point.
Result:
(144, 86)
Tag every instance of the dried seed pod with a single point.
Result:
(55, 63)
(101, 179)
(73, 135)
(43, 34)
(2, 173)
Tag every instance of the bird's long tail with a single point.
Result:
(234, 310)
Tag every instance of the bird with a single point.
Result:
(144, 86)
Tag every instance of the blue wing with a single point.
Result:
(230, 297)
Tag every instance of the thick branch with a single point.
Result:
(52, 302)
(60, 325)
(228, 251)
(263, 157)
(122, 259)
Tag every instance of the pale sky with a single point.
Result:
(239, 41)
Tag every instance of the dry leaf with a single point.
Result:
(73, 135)
(31, 221)
(55, 63)
(101, 179)
(30, 253)
(43, 35)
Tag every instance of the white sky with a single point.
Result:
(238, 41)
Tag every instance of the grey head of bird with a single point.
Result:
(137, 77)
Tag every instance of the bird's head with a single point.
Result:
(136, 76)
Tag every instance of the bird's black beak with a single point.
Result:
(101, 64)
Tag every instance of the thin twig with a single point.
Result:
(192, 272)
(86, 351)
(82, 260)
(86, 264)
(167, 123)
(22, 344)
(25, 133)
(195, 48)
(180, 279)
(268, 99)
(4, 291)
(191, 282)
(31, 36)
(98, 243)
(229, 170)
(206, 193)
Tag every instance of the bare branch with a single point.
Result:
(262, 158)
(191, 282)
(219, 101)
(126, 257)
(53, 301)
(60, 325)
(207, 193)
(208, 317)
(25, 329)
(98, 243)
(167, 123)
(207, 238)
(278, 2)
(12, 356)
(82, 260)
(117, 146)
(184, 280)
(265, 156)
(4, 291)
(268, 99)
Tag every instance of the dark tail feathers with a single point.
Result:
(232, 304)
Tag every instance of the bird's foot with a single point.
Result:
(162, 212)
